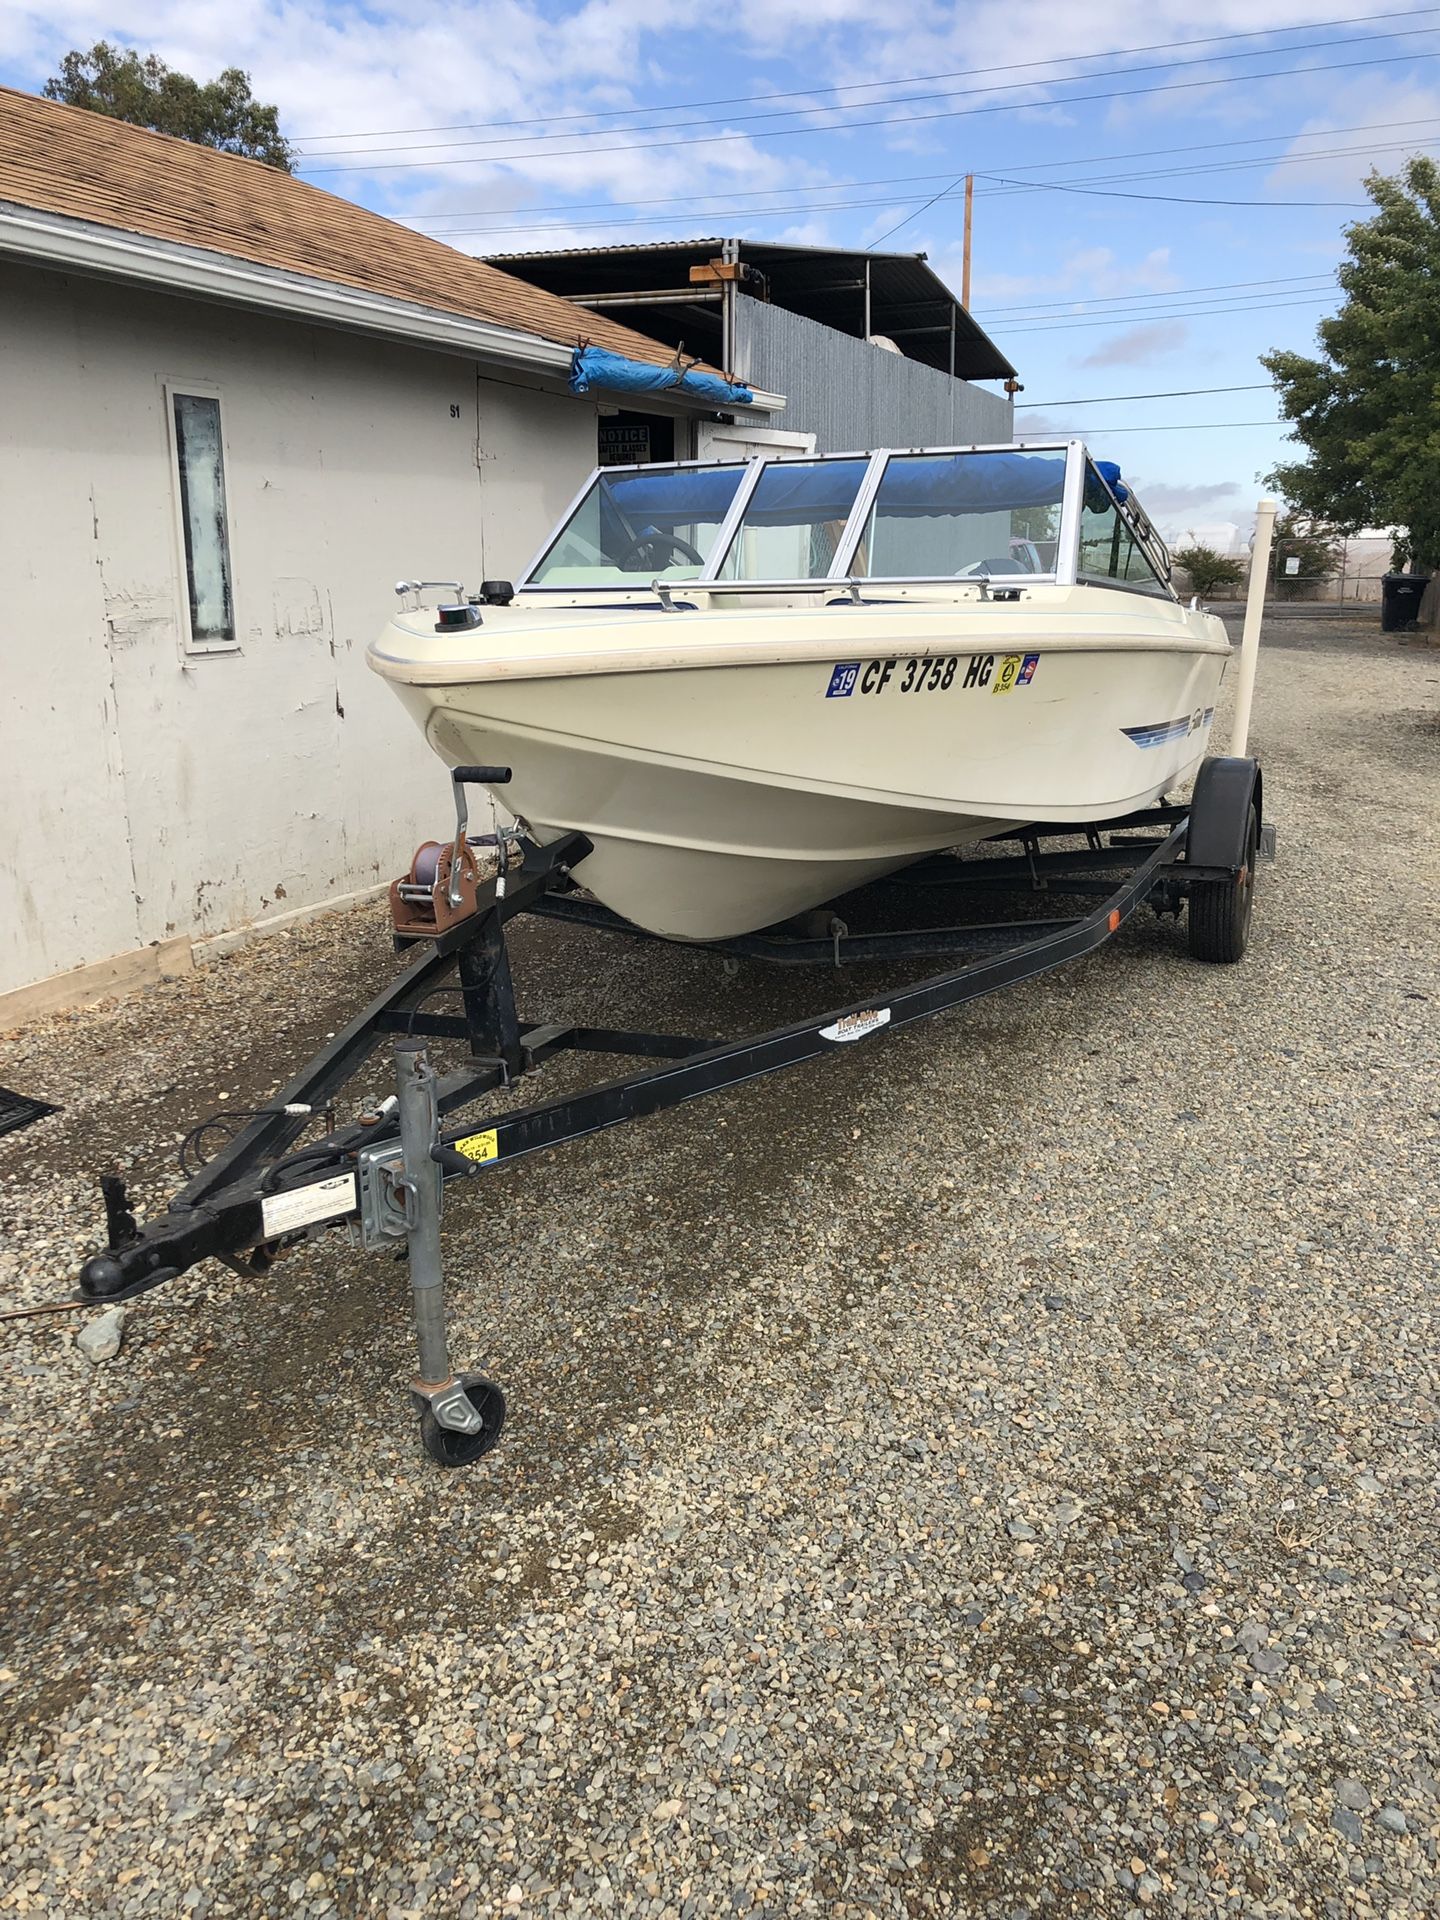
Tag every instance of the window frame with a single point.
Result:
(190, 645)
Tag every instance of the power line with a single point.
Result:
(1111, 193)
(925, 208)
(1143, 316)
(527, 142)
(1169, 199)
(1173, 426)
(794, 209)
(1224, 166)
(1175, 293)
(956, 113)
(913, 179)
(1173, 393)
(857, 86)
(1142, 311)
(531, 140)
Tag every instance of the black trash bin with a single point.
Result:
(1400, 600)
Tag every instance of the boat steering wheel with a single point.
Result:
(646, 548)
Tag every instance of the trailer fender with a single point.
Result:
(1225, 789)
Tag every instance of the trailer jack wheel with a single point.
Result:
(472, 1399)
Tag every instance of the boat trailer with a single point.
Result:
(382, 1174)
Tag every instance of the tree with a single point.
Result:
(220, 113)
(1368, 410)
(1207, 568)
(1314, 545)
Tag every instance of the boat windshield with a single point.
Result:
(794, 520)
(1111, 547)
(938, 515)
(630, 528)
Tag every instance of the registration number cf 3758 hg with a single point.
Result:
(997, 672)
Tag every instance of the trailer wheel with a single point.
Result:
(1220, 910)
(450, 1449)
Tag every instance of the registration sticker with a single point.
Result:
(480, 1146)
(1007, 672)
(855, 1026)
(842, 680)
(303, 1206)
(1027, 670)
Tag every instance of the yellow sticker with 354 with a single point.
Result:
(480, 1146)
(1007, 673)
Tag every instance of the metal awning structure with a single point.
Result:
(652, 288)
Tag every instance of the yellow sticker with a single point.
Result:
(480, 1146)
(1007, 673)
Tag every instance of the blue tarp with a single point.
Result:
(673, 494)
(791, 490)
(971, 483)
(1109, 472)
(596, 367)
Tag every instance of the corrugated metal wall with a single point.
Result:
(852, 395)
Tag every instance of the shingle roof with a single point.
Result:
(67, 161)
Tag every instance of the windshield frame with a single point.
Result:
(1063, 573)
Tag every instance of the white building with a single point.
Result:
(233, 411)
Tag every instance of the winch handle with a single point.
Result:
(481, 776)
(484, 777)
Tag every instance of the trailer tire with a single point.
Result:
(450, 1449)
(1221, 910)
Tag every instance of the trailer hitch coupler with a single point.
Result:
(102, 1277)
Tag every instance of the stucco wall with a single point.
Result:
(854, 396)
(147, 793)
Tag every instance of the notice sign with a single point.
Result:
(623, 446)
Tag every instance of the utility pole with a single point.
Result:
(969, 221)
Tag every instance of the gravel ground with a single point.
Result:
(991, 1472)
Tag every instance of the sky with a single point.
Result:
(1161, 194)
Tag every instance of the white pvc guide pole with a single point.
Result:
(1250, 633)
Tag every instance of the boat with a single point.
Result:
(754, 686)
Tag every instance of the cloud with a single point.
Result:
(1042, 426)
(1355, 105)
(1166, 497)
(1139, 346)
(350, 80)
(1092, 273)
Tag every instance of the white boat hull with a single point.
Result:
(726, 785)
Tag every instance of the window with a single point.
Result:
(632, 528)
(1109, 550)
(792, 525)
(200, 457)
(940, 515)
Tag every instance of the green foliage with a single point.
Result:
(1368, 410)
(220, 113)
(1314, 545)
(1208, 569)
